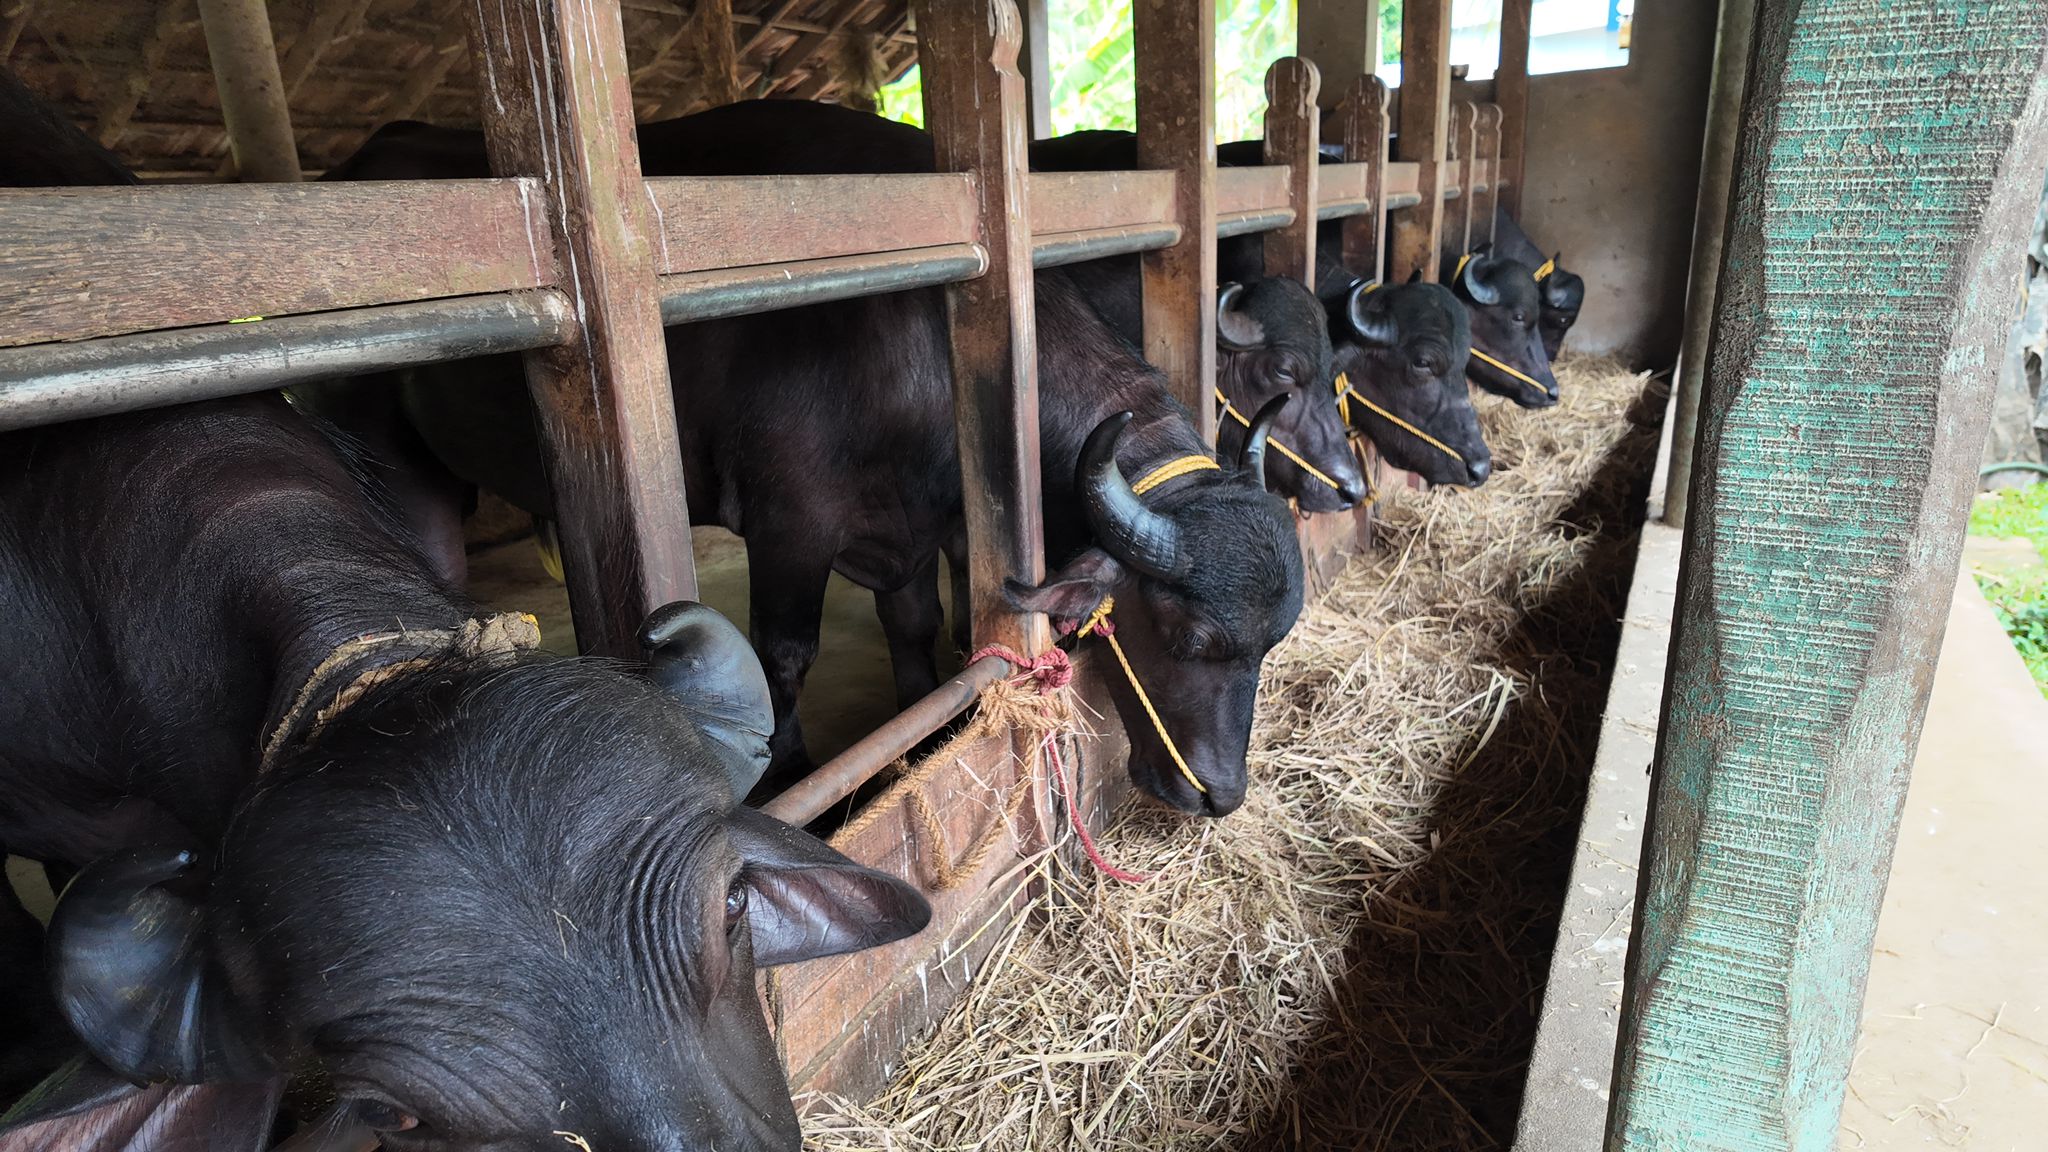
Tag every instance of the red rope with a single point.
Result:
(1053, 670)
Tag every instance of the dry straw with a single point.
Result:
(1355, 959)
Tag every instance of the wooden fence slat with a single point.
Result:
(556, 103)
(1083, 201)
(1864, 301)
(1487, 179)
(85, 262)
(1174, 49)
(710, 222)
(1464, 146)
(1363, 120)
(1511, 93)
(1425, 130)
(1293, 130)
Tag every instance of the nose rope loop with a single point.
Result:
(1539, 389)
(1276, 445)
(1403, 425)
(1098, 623)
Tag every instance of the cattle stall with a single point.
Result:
(113, 300)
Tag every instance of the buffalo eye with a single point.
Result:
(1522, 318)
(1284, 377)
(381, 1117)
(735, 905)
(1425, 365)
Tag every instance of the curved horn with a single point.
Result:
(1370, 317)
(1127, 530)
(1563, 289)
(698, 657)
(1482, 293)
(1235, 331)
(1252, 457)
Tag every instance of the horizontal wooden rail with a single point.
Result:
(719, 292)
(732, 222)
(1245, 190)
(67, 381)
(90, 262)
(1095, 201)
(837, 778)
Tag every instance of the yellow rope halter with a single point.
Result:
(1095, 620)
(1277, 446)
(1174, 470)
(1351, 393)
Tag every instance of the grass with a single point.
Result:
(2019, 598)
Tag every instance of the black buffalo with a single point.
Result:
(1563, 292)
(320, 807)
(1506, 306)
(824, 436)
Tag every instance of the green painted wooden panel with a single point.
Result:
(1890, 153)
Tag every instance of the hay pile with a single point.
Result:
(1356, 957)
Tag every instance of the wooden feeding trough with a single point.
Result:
(119, 299)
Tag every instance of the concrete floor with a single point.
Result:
(1954, 1050)
(850, 689)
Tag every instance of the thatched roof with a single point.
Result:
(134, 73)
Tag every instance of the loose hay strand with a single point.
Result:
(1356, 957)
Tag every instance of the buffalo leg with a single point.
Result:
(786, 586)
(911, 619)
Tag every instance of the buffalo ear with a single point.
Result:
(136, 980)
(1415, 277)
(805, 900)
(1071, 593)
(699, 658)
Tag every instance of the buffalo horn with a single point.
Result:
(1252, 457)
(1126, 529)
(1476, 286)
(1235, 331)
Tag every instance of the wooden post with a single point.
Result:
(1293, 131)
(1425, 129)
(1036, 64)
(1340, 37)
(252, 101)
(552, 84)
(1457, 226)
(1363, 115)
(1487, 151)
(974, 108)
(1848, 387)
(1174, 45)
(1511, 92)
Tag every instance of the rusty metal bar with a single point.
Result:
(717, 292)
(48, 383)
(838, 777)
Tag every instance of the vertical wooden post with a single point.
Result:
(1511, 92)
(1174, 45)
(1293, 132)
(1457, 226)
(1340, 37)
(1848, 387)
(1425, 129)
(1036, 65)
(974, 108)
(1364, 118)
(1480, 228)
(252, 101)
(556, 105)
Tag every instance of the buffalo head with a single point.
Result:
(1564, 293)
(1274, 341)
(1207, 578)
(501, 906)
(1508, 357)
(1404, 354)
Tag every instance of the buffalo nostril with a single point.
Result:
(1351, 492)
(1479, 470)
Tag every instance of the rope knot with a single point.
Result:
(1051, 669)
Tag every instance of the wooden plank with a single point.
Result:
(556, 103)
(1293, 130)
(1036, 64)
(252, 100)
(1341, 38)
(1486, 177)
(1459, 220)
(1403, 182)
(85, 262)
(1425, 133)
(1085, 201)
(1362, 118)
(1511, 94)
(1848, 386)
(735, 221)
(1344, 184)
(1174, 50)
(974, 108)
(1251, 190)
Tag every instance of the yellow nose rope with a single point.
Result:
(1549, 266)
(1396, 421)
(1276, 445)
(1099, 623)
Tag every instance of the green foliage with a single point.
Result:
(2020, 599)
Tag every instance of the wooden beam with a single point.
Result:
(1511, 93)
(1174, 44)
(1363, 120)
(808, 46)
(1457, 224)
(252, 97)
(556, 103)
(114, 116)
(974, 108)
(1293, 131)
(1341, 38)
(1848, 388)
(1425, 133)
(736, 221)
(1037, 66)
(1486, 157)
